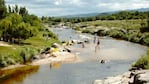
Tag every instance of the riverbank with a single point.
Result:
(51, 56)
(60, 57)
(130, 77)
(55, 53)
(12, 53)
(129, 30)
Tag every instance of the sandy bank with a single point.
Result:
(63, 57)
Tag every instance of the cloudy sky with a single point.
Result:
(71, 7)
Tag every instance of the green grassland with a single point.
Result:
(130, 30)
(126, 24)
(143, 62)
(12, 54)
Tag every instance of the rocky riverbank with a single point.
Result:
(130, 77)
(53, 54)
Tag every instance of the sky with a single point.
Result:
(72, 7)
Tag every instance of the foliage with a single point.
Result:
(20, 27)
(143, 62)
(78, 28)
(52, 35)
(3, 9)
(87, 31)
(122, 15)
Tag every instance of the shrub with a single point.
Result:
(115, 33)
(146, 41)
(51, 34)
(143, 62)
(27, 54)
(77, 28)
(87, 31)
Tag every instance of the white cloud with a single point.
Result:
(68, 7)
(58, 2)
(77, 2)
(140, 5)
(134, 4)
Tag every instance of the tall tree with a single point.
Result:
(9, 9)
(3, 9)
(23, 11)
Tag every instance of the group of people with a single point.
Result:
(96, 41)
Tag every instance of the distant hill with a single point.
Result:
(141, 9)
(105, 13)
(81, 15)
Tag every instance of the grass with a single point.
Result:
(14, 53)
(40, 41)
(143, 62)
(126, 24)
(130, 30)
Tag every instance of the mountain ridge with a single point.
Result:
(103, 13)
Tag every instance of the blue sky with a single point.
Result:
(71, 7)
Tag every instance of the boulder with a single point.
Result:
(55, 45)
(135, 77)
(141, 77)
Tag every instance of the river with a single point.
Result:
(119, 54)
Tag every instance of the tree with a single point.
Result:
(3, 9)
(23, 11)
(24, 31)
(9, 9)
(16, 9)
(15, 18)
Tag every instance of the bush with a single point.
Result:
(146, 41)
(115, 33)
(87, 31)
(77, 28)
(143, 62)
(51, 34)
(7, 59)
(27, 54)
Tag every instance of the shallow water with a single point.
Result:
(120, 55)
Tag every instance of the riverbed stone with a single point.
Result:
(135, 77)
(141, 77)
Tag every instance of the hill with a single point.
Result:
(104, 13)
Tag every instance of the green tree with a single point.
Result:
(16, 9)
(24, 31)
(9, 9)
(3, 9)
(23, 11)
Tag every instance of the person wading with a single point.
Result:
(98, 45)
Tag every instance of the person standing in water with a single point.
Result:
(98, 42)
(98, 45)
(94, 39)
(83, 45)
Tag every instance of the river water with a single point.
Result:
(119, 54)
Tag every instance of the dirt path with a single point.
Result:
(4, 44)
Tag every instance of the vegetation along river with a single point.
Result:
(119, 56)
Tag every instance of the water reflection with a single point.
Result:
(17, 75)
(55, 65)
